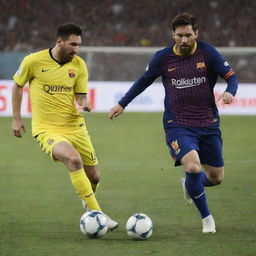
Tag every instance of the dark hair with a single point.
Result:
(184, 19)
(67, 29)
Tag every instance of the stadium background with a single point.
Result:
(25, 27)
(40, 217)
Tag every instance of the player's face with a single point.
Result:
(69, 48)
(185, 38)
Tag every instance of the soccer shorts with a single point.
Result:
(78, 138)
(206, 141)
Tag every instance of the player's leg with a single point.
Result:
(82, 143)
(180, 142)
(59, 148)
(93, 175)
(65, 152)
(212, 176)
(195, 189)
(193, 182)
(211, 158)
(184, 146)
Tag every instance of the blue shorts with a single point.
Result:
(205, 140)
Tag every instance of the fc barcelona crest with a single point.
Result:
(71, 73)
(200, 66)
(175, 147)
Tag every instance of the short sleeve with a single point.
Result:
(82, 80)
(24, 73)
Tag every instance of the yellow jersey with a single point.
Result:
(52, 89)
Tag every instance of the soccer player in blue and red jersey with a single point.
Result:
(189, 71)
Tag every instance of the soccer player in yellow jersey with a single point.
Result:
(57, 79)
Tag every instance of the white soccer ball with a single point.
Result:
(139, 226)
(93, 224)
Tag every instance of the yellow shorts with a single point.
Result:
(79, 139)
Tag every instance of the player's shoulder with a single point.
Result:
(206, 47)
(35, 56)
(160, 54)
(213, 55)
(164, 51)
(78, 60)
(210, 51)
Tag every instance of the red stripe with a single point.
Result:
(229, 74)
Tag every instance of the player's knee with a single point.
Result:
(216, 179)
(75, 162)
(193, 167)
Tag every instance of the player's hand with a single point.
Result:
(226, 97)
(115, 111)
(17, 128)
(82, 102)
(87, 106)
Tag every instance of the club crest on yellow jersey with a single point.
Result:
(71, 73)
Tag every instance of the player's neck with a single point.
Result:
(55, 54)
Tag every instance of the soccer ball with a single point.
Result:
(139, 226)
(93, 224)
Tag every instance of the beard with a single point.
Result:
(186, 49)
(65, 56)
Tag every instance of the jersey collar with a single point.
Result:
(50, 52)
(191, 53)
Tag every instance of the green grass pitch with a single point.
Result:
(40, 212)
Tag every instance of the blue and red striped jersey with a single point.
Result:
(189, 83)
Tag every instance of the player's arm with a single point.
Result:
(115, 111)
(229, 95)
(223, 69)
(137, 88)
(82, 101)
(81, 87)
(149, 76)
(17, 123)
(23, 74)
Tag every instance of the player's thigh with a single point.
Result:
(82, 143)
(191, 162)
(63, 151)
(210, 151)
(48, 141)
(180, 142)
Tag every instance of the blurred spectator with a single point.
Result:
(30, 24)
(145, 42)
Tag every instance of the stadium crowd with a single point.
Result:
(30, 24)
